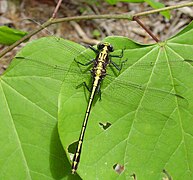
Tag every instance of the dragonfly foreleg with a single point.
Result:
(117, 56)
(86, 64)
(118, 67)
(95, 50)
(85, 85)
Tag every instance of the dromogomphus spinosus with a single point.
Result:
(164, 92)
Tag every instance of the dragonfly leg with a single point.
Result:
(85, 85)
(99, 91)
(118, 56)
(86, 64)
(118, 67)
(95, 50)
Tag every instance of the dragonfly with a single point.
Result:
(100, 60)
(100, 64)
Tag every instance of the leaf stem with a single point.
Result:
(146, 29)
(56, 9)
(164, 9)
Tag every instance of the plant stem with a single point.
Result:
(126, 16)
(89, 17)
(56, 9)
(164, 9)
(146, 29)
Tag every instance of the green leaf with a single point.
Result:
(145, 128)
(96, 33)
(150, 127)
(152, 3)
(30, 145)
(185, 30)
(8, 35)
(131, 1)
(157, 5)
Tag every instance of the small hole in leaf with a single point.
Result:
(72, 149)
(118, 168)
(167, 175)
(134, 176)
(105, 125)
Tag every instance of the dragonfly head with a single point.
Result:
(101, 46)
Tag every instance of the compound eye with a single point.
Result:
(110, 48)
(100, 46)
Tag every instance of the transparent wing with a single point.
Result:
(82, 54)
(118, 86)
(127, 92)
(67, 48)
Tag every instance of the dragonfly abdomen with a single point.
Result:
(99, 71)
